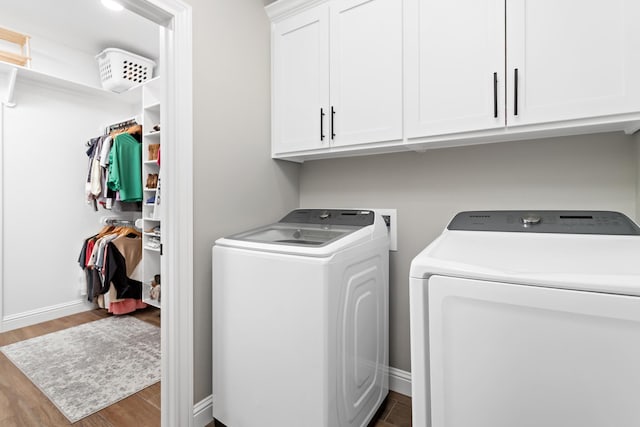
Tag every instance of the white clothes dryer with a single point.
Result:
(527, 319)
(300, 321)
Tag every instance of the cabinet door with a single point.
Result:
(366, 71)
(454, 66)
(574, 59)
(301, 81)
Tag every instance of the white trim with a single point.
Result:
(155, 11)
(1, 214)
(11, 86)
(31, 317)
(284, 8)
(203, 412)
(176, 116)
(177, 266)
(400, 381)
(177, 221)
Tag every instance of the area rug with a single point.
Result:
(88, 367)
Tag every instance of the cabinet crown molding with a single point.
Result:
(283, 8)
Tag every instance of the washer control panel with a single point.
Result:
(568, 222)
(359, 218)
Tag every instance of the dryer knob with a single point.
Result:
(530, 220)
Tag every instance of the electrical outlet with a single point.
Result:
(390, 216)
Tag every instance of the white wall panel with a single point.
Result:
(45, 216)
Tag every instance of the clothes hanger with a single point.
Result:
(131, 130)
(128, 231)
(107, 229)
(135, 129)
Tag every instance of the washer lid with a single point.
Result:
(315, 235)
(313, 232)
(599, 263)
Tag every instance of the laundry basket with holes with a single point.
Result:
(121, 70)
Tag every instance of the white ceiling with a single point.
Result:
(82, 24)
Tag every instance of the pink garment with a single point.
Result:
(90, 244)
(125, 306)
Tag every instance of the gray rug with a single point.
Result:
(89, 367)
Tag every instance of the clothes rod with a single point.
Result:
(119, 222)
(122, 124)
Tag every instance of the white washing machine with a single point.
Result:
(300, 321)
(527, 319)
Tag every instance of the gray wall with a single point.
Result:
(638, 183)
(584, 172)
(236, 184)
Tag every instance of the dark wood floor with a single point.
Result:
(23, 405)
(394, 412)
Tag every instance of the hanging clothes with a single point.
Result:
(125, 255)
(111, 260)
(91, 154)
(125, 168)
(114, 172)
(95, 187)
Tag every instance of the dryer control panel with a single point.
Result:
(567, 222)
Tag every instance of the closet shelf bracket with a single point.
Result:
(13, 74)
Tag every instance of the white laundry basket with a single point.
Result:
(121, 70)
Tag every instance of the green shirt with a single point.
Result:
(125, 168)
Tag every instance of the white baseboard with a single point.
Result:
(399, 381)
(31, 317)
(203, 412)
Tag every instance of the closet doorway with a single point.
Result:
(175, 66)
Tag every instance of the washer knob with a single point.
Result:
(530, 220)
(325, 215)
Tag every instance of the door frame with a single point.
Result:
(175, 20)
(176, 57)
(3, 103)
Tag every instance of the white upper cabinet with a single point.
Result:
(472, 66)
(574, 59)
(366, 71)
(454, 66)
(301, 81)
(337, 75)
(373, 76)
